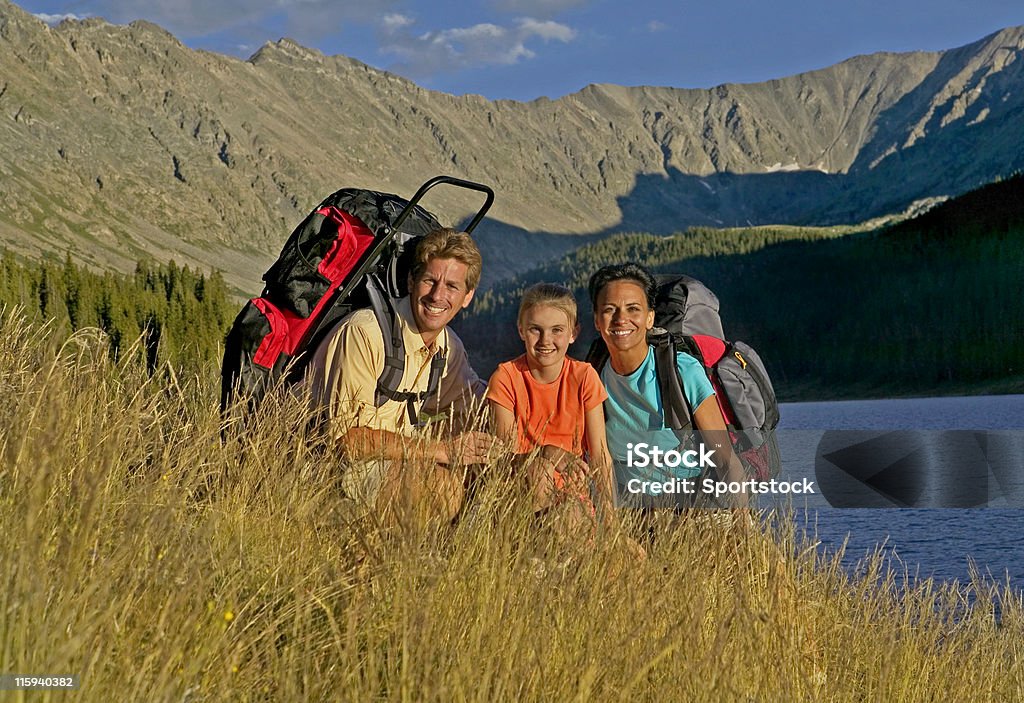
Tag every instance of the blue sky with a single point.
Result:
(523, 49)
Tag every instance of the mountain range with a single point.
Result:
(119, 142)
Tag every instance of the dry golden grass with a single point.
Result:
(159, 562)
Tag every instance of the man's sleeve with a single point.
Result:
(346, 377)
(460, 388)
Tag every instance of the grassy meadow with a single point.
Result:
(161, 562)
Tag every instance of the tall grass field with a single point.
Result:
(161, 556)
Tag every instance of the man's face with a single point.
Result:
(437, 295)
(622, 316)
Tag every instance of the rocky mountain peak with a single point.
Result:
(286, 50)
(117, 141)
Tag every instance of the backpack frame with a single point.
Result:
(353, 251)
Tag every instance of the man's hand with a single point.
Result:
(467, 448)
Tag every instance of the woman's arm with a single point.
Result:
(708, 420)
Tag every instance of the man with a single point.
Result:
(389, 466)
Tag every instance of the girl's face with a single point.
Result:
(547, 334)
(622, 316)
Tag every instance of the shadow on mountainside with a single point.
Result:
(879, 183)
(508, 250)
(921, 147)
(663, 205)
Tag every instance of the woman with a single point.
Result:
(651, 467)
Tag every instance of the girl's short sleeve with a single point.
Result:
(499, 388)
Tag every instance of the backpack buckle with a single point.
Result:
(659, 336)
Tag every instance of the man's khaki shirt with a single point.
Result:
(342, 375)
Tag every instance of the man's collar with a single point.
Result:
(411, 333)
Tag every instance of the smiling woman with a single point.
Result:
(623, 300)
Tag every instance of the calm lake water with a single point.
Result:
(931, 542)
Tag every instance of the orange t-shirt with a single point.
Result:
(548, 413)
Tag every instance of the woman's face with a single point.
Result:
(622, 316)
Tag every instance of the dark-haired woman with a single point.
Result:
(652, 468)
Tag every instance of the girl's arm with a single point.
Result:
(539, 473)
(600, 458)
(503, 423)
(707, 418)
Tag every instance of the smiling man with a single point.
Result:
(390, 466)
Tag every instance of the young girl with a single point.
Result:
(549, 407)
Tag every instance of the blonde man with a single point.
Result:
(389, 465)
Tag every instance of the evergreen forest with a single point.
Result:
(928, 306)
(164, 312)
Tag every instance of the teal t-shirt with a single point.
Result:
(634, 414)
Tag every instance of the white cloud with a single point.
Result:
(440, 51)
(395, 21)
(56, 19)
(656, 26)
(547, 30)
(469, 34)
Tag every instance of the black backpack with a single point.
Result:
(353, 251)
(686, 320)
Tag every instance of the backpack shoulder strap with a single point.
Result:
(678, 413)
(394, 345)
(597, 355)
(433, 381)
(390, 380)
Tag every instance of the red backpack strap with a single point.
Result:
(709, 351)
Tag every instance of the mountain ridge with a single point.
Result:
(118, 141)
